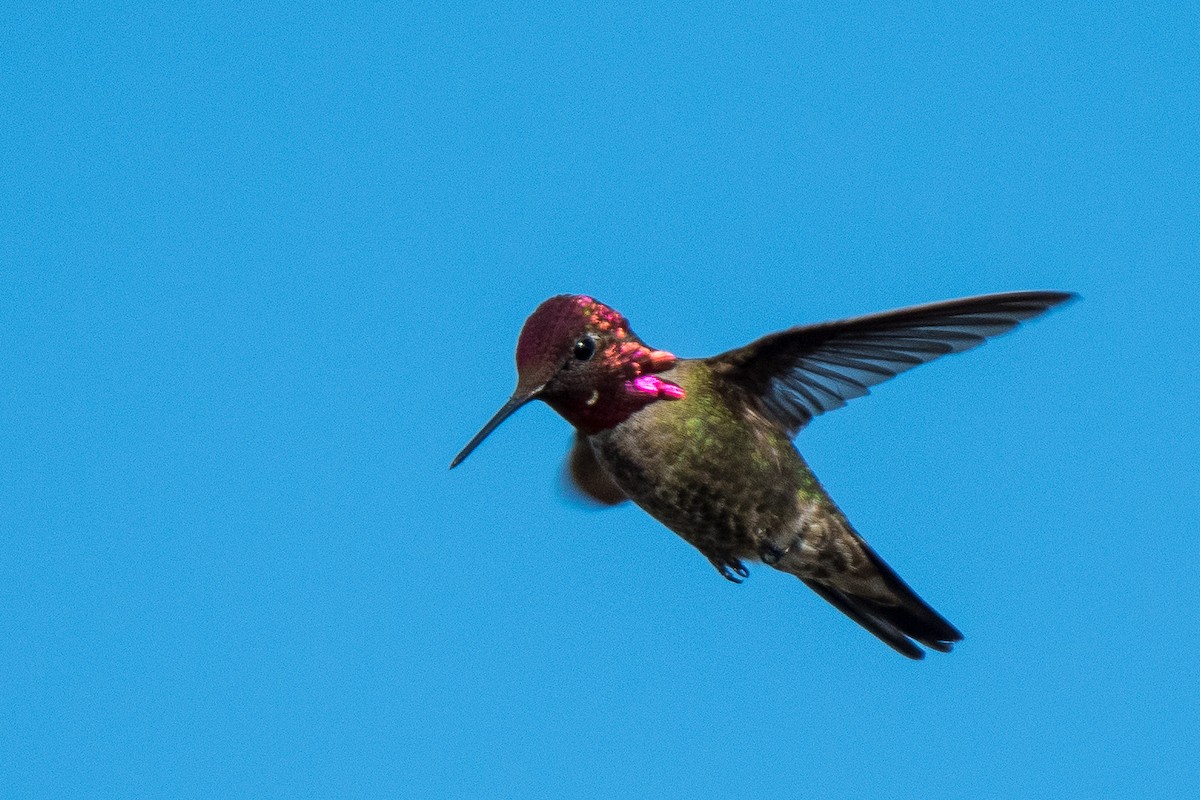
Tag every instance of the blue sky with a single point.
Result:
(261, 277)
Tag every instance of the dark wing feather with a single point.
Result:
(586, 479)
(805, 371)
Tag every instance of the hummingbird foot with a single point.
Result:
(731, 569)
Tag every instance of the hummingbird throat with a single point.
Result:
(634, 366)
(633, 387)
(642, 363)
(655, 387)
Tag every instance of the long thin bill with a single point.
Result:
(514, 402)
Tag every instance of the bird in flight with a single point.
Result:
(704, 445)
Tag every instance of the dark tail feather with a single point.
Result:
(895, 626)
(897, 623)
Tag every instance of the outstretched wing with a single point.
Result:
(796, 374)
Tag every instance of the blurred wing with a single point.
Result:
(587, 479)
(796, 374)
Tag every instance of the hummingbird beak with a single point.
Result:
(518, 399)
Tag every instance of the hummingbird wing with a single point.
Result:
(796, 374)
(587, 479)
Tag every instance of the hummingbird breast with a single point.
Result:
(725, 482)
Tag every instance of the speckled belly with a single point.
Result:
(724, 509)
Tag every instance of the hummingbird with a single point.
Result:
(704, 445)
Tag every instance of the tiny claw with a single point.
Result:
(731, 570)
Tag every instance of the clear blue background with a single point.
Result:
(261, 276)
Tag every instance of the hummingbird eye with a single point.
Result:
(585, 348)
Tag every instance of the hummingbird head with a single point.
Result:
(579, 356)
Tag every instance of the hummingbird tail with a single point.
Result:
(895, 625)
(898, 619)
